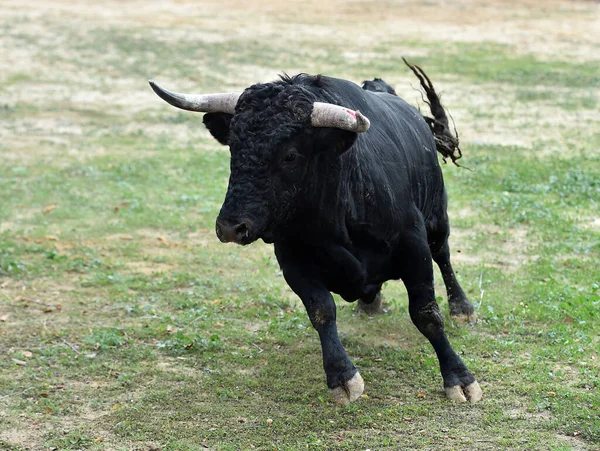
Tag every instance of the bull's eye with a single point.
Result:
(290, 157)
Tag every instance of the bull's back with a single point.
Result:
(397, 155)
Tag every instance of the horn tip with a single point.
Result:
(157, 89)
(362, 122)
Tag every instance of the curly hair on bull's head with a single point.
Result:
(269, 155)
(274, 109)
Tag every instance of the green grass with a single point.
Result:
(125, 324)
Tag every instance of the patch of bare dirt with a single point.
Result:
(521, 412)
(173, 365)
(148, 268)
(23, 215)
(494, 114)
(29, 432)
(556, 27)
(550, 28)
(38, 295)
(159, 243)
(575, 443)
(373, 335)
(506, 249)
(591, 223)
(28, 435)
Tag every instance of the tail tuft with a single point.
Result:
(446, 143)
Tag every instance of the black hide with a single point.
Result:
(378, 85)
(345, 211)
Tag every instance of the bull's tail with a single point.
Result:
(445, 142)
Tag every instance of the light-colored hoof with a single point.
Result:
(465, 319)
(455, 394)
(350, 391)
(471, 393)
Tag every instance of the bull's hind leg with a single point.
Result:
(460, 307)
(417, 275)
(438, 230)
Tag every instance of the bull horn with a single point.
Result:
(329, 115)
(204, 103)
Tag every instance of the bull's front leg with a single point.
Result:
(343, 379)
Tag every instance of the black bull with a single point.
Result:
(346, 206)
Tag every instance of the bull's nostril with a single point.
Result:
(241, 230)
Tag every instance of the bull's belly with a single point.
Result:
(365, 291)
(359, 280)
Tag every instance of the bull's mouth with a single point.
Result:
(247, 238)
(267, 236)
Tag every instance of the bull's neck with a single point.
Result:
(327, 201)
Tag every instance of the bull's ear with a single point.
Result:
(218, 126)
(335, 139)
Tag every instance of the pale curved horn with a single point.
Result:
(204, 103)
(330, 115)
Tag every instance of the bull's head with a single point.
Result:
(273, 131)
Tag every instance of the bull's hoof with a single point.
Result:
(471, 393)
(462, 311)
(370, 308)
(462, 318)
(349, 391)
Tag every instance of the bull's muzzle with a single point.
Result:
(239, 232)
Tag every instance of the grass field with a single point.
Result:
(124, 322)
